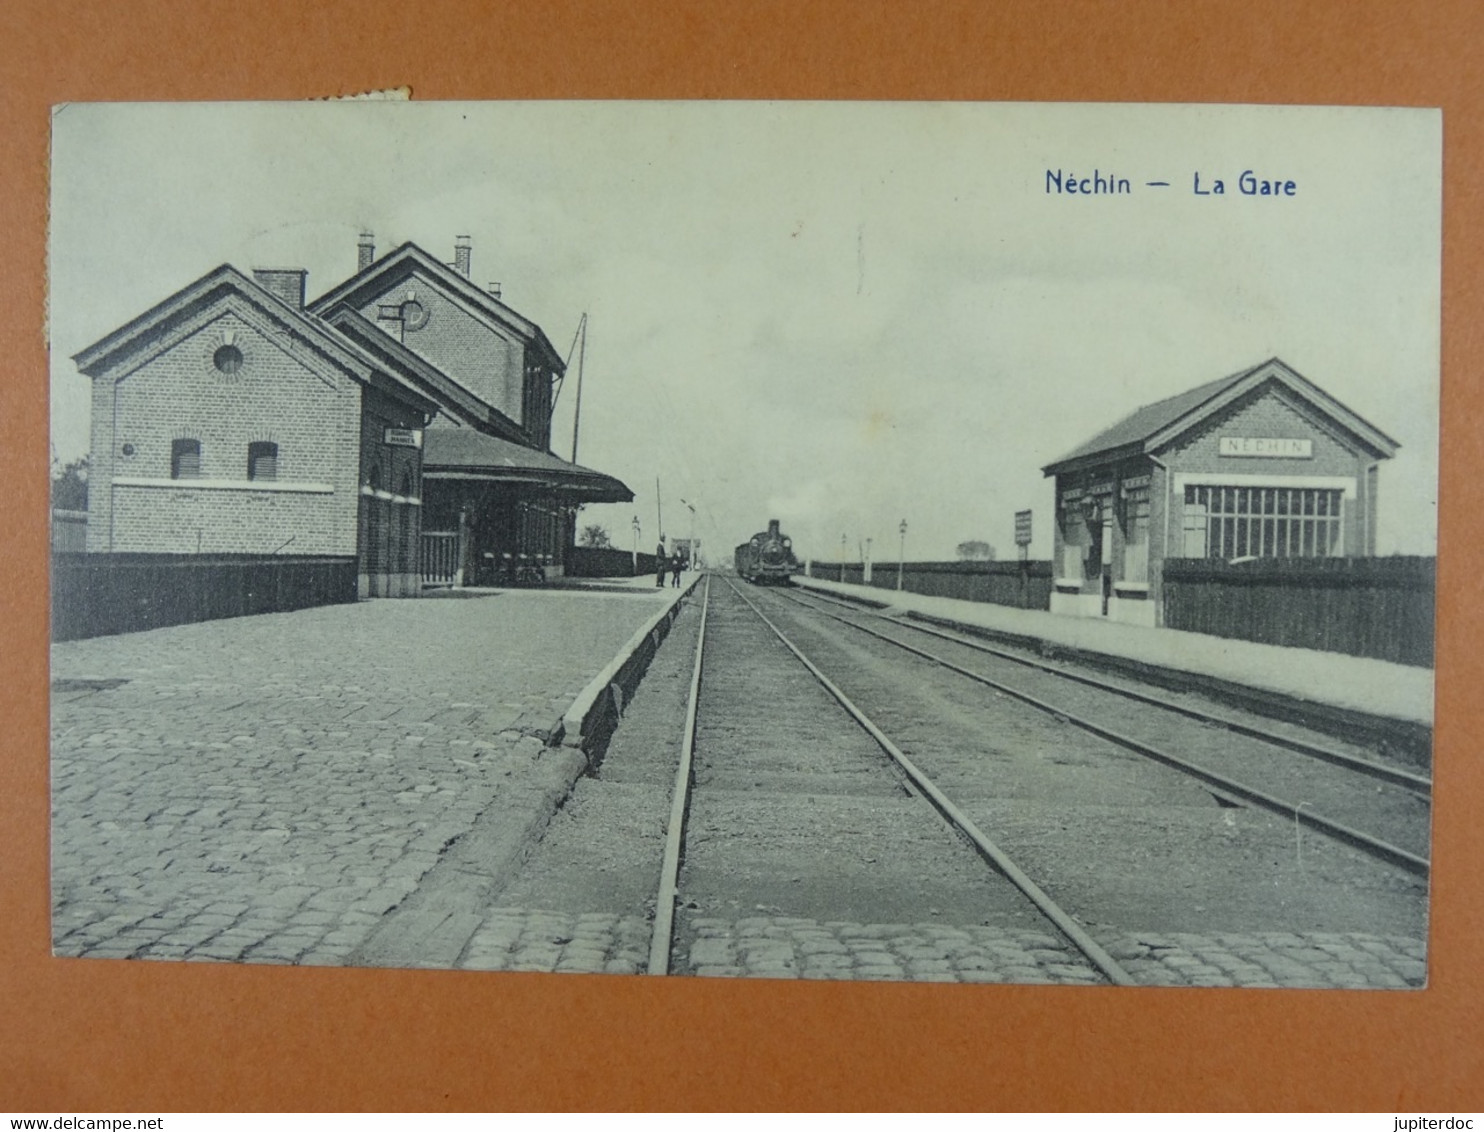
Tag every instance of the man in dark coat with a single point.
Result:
(676, 565)
(659, 563)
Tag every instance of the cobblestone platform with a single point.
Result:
(783, 947)
(780, 947)
(268, 788)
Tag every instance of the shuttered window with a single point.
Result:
(262, 460)
(185, 459)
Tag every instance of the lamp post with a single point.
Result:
(843, 543)
(691, 553)
(901, 552)
(866, 565)
(636, 545)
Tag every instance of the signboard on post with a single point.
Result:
(1023, 532)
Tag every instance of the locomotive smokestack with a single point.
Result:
(772, 528)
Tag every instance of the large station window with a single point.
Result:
(1262, 522)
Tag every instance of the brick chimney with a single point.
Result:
(365, 251)
(285, 282)
(461, 253)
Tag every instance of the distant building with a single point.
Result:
(405, 403)
(1260, 464)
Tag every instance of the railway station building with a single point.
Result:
(402, 419)
(1260, 464)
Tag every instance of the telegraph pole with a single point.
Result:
(581, 355)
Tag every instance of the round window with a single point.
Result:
(414, 315)
(227, 359)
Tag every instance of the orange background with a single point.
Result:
(98, 1035)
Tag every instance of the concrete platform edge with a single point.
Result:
(1406, 737)
(596, 710)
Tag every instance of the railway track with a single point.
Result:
(1240, 745)
(662, 941)
(1395, 775)
(749, 819)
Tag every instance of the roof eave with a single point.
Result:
(95, 356)
(1367, 434)
(1094, 459)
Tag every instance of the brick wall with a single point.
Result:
(283, 393)
(390, 497)
(100, 466)
(1275, 412)
(486, 362)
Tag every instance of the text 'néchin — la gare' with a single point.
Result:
(1097, 183)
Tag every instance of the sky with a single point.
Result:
(840, 315)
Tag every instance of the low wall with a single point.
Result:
(1376, 607)
(1023, 585)
(95, 595)
(606, 562)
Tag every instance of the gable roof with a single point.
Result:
(1152, 426)
(463, 453)
(450, 395)
(402, 261)
(196, 299)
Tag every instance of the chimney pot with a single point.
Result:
(287, 283)
(365, 251)
(462, 251)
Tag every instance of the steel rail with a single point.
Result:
(663, 934)
(1084, 943)
(1225, 787)
(1419, 784)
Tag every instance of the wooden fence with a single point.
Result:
(1024, 585)
(69, 531)
(95, 595)
(606, 562)
(1377, 607)
(440, 557)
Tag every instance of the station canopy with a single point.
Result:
(467, 455)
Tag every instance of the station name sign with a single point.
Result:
(404, 437)
(1022, 528)
(1267, 446)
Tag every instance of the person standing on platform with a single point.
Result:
(676, 565)
(659, 563)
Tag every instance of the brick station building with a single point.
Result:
(232, 418)
(1260, 464)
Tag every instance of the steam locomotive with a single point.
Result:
(767, 556)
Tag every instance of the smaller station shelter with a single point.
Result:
(1260, 464)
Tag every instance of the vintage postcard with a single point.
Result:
(979, 543)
